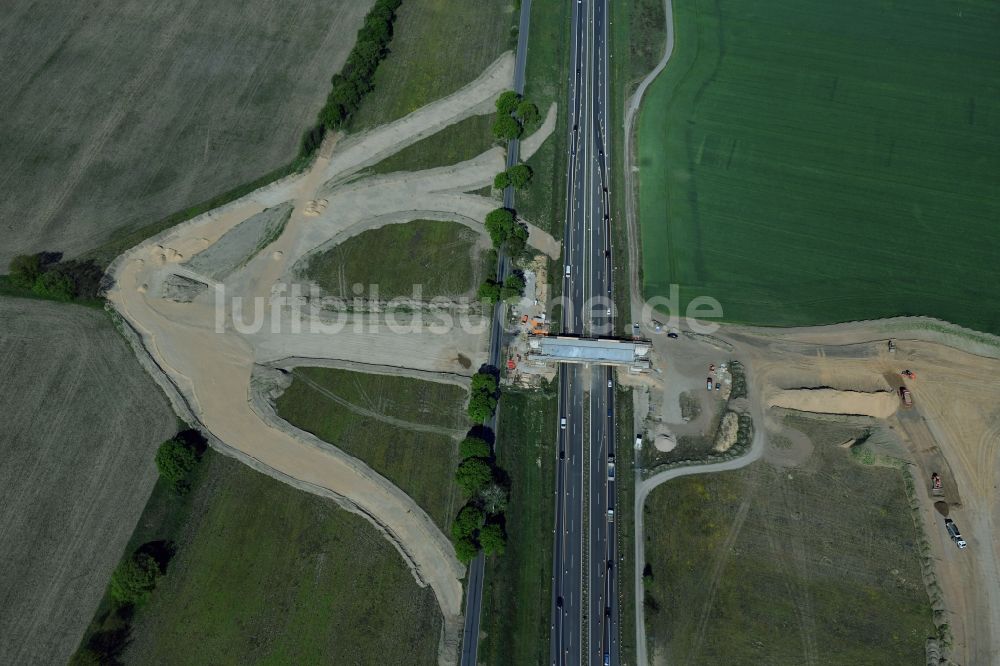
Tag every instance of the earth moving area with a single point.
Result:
(81, 421)
(119, 114)
(953, 429)
(211, 374)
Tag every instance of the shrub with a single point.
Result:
(506, 128)
(25, 268)
(135, 578)
(501, 180)
(507, 103)
(489, 291)
(55, 285)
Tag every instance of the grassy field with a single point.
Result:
(81, 419)
(546, 73)
(438, 47)
(264, 573)
(420, 463)
(443, 257)
(456, 143)
(786, 566)
(809, 162)
(119, 115)
(518, 595)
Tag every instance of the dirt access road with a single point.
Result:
(207, 355)
(953, 429)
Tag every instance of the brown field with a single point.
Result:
(81, 422)
(118, 114)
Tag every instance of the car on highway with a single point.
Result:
(562, 423)
(567, 270)
(611, 471)
(611, 383)
(611, 515)
(607, 659)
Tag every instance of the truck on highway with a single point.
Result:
(611, 471)
(953, 532)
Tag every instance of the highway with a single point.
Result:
(474, 582)
(585, 611)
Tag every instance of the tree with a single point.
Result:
(135, 578)
(474, 447)
(489, 291)
(55, 285)
(507, 102)
(467, 522)
(485, 382)
(517, 238)
(493, 539)
(481, 406)
(466, 549)
(506, 128)
(519, 175)
(473, 475)
(501, 180)
(25, 268)
(515, 281)
(175, 460)
(499, 223)
(527, 112)
(494, 499)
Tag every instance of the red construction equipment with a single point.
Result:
(909, 374)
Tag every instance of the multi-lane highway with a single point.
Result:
(584, 605)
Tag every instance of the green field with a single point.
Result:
(443, 257)
(543, 202)
(438, 47)
(264, 573)
(456, 143)
(518, 632)
(771, 565)
(808, 162)
(420, 463)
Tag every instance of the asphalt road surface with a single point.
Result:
(585, 611)
(474, 584)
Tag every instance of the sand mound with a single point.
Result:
(879, 404)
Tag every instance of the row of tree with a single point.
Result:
(355, 79)
(48, 277)
(481, 523)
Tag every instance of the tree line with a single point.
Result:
(355, 79)
(47, 276)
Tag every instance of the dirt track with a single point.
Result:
(81, 423)
(209, 354)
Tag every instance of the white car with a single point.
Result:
(567, 270)
(562, 423)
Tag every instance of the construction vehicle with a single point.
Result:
(909, 374)
(953, 532)
(904, 395)
(892, 345)
(937, 490)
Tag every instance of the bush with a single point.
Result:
(501, 180)
(467, 522)
(519, 175)
(55, 285)
(135, 578)
(175, 460)
(507, 103)
(506, 128)
(489, 291)
(25, 268)
(527, 112)
(474, 475)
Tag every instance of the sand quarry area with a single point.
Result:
(211, 331)
(952, 429)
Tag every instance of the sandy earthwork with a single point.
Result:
(81, 423)
(118, 114)
(209, 353)
(953, 428)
